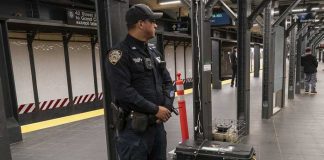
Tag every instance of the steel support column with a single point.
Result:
(243, 74)
(185, 60)
(303, 47)
(312, 37)
(316, 44)
(300, 32)
(257, 60)
(284, 66)
(8, 86)
(66, 40)
(305, 32)
(111, 30)
(206, 78)
(94, 40)
(315, 38)
(216, 50)
(159, 43)
(298, 63)
(201, 66)
(195, 34)
(318, 38)
(4, 139)
(267, 83)
(118, 27)
(175, 58)
(30, 39)
(291, 27)
(292, 64)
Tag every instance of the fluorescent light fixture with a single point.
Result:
(315, 8)
(170, 2)
(276, 12)
(299, 10)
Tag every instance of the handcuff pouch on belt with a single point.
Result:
(119, 117)
(139, 121)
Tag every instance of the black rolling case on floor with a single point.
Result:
(213, 150)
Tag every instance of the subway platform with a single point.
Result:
(294, 133)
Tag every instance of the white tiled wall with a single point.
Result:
(180, 58)
(169, 58)
(81, 68)
(180, 61)
(21, 70)
(98, 69)
(189, 62)
(50, 70)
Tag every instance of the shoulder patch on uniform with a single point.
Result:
(114, 56)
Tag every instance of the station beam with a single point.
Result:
(8, 86)
(243, 74)
(267, 83)
(5, 152)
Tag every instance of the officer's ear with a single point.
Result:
(140, 24)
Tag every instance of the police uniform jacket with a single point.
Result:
(309, 62)
(138, 77)
(233, 59)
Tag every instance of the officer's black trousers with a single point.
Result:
(150, 145)
(234, 76)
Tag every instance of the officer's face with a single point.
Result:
(148, 28)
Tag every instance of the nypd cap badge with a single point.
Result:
(114, 56)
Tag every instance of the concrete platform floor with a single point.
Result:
(295, 133)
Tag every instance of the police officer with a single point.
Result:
(233, 60)
(142, 87)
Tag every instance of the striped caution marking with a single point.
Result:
(100, 96)
(26, 108)
(58, 103)
(84, 98)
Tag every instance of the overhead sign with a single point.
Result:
(295, 18)
(220, 18)
(82, 18)
(306, 17)
(181, 26)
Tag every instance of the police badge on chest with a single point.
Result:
(148, 63)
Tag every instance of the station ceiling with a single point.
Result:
(174, 10)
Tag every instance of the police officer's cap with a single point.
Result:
(141, 12)
(308, 49)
